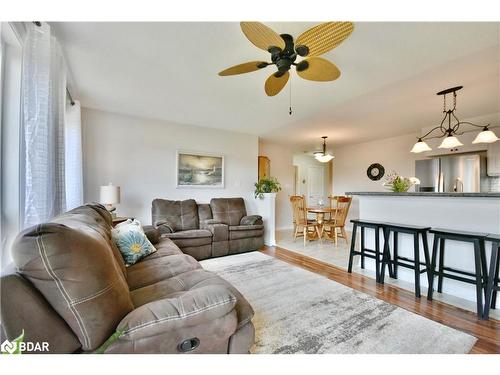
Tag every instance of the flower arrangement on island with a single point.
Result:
(399, 184)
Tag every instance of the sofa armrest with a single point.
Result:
(251, 220)
(208, 305)
(163, 226)
(220, 232)
(152, 234)
(205, 223)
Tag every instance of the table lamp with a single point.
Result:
(109, 195)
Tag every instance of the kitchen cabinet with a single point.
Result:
(493, 159)
(264, 167)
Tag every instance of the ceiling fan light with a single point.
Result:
(450, 141)
(324, 158)
(420, 146)
(486, 136)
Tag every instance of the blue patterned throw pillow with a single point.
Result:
(132, 242)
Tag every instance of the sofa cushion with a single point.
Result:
(191, 280)
(194, 233)
(164, 247)
(96, 221)
(204, 212)
(197, 237)
(151, 271)
(152, 234)
(172, 286)
(180, 215)
(77, 274)
(228, 211)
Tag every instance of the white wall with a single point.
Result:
(282, 168)
(140, 156)
(352, 161)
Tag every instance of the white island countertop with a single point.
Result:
(472, 212)
(425, 194)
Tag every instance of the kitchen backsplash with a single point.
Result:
(493, 184)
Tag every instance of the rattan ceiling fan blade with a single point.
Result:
(261, 35)
(247, 67)
(275, 84)
(324, 37)
(318, 69)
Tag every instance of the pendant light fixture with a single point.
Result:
(420, 146)
(450, 131)
(322, 156)
(486, 136)
(450, 141)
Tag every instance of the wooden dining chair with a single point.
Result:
(340, 205)
(302, 226)
(293, 218)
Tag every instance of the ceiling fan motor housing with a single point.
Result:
(284, 59)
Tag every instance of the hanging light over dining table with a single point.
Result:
(323, 156)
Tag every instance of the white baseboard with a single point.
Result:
(285, 228)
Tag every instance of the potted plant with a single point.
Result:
(399, 184)
(266, 185)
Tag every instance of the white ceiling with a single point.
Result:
(390, 74)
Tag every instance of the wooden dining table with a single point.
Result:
(320, 212)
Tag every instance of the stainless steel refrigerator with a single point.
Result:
(452, 173)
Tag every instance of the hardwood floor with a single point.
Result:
(487, 332)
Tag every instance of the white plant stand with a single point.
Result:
(266, 207)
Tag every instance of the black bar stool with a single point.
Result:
(397, 260)
(492, 285)
(478, 277)
(363, 251)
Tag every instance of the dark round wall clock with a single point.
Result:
(375, 172)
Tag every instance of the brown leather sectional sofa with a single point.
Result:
(72, 290)
(209, 230)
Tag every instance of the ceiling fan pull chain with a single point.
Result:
(290, 99)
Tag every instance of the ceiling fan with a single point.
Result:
(284, 51)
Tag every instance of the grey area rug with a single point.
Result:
(297, 311)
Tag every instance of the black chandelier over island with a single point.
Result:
(450, 131)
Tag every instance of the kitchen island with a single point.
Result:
(473, 212)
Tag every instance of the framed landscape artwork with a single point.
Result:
(199, 170)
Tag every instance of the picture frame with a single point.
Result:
(199, 170)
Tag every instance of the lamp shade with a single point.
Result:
(486, 136)
(324, 158)
(420, 146)
(450, 141)
(109, 194)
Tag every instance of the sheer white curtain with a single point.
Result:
(73, 155)
(43, 143)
